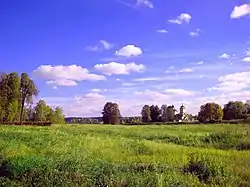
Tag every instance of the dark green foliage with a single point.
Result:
(234, 110)
(111, 113)
(210, 113)
(205, 170)
(155, 113)
(146, 113)
(5, 169)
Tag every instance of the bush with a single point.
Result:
(205, 170)
(5, 170)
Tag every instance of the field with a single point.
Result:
(98, 155)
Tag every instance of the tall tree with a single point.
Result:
(210, 112)
(28, 90)
(13, 97)
(60, 118)
(155, 113)
(164, 113)
(234, 110)
(146, 115)
(171, 113)
(111, 113)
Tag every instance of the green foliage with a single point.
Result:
(210, 112)
(27, 90)
(111, 113)
(155, 113)
(146, 113)
(234, 110)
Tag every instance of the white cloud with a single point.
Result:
(115, 68)
(65, 75)
(198, 63)
(183, 18)
(246, 59)
(62, 82)
(224, 56)
(146, 3)
(103, 45)
(148, 79)
(106, 44)
(128, 51)
(162, 31)
(240, 11)
(96, 90)
(186, 70)
(195, 33)
(179, 92)
(92, 48)
(233, 82)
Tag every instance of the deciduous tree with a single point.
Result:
(28, 90)
(234, 110)
(146, 115)
(210, 112)
(155, 113)
(111, 113)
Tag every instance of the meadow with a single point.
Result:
(105, 155)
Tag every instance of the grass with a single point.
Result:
(97, 155)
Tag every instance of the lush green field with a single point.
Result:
(96, 155)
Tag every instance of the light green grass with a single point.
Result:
(98, 155)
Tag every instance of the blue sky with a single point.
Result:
(83, 53)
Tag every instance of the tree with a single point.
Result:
(210, 112)
(59, 116)
(164, 113)
(171, 113)
(111, 113)
(234, 110)
(155, 113)
(28, 90)
(146, 115)
(42, 111)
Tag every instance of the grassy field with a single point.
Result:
(97, 155)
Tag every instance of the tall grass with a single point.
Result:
(96, 155)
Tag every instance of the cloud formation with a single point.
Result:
(115, 68)
(162, 31)
(128, 51)
(224, 56)
(65, 75)
(240, 11)
(103, 45)
(183, 18)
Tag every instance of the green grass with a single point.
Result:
(98, 155)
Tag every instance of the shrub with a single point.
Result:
(5, 170)
(30, 123)
(205, 170)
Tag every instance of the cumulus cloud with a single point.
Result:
(233, 82)
(128, 51)
(183, 18)
(162, 31)
(115, 68)
(65, 75)
(246, 59)
(224, 56)
(107, 45)
(240, 11)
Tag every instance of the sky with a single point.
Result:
(84, 53)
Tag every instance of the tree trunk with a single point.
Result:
(21, 114)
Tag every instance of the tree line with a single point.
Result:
(16, 101)
(209, 113)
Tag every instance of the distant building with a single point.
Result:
(182, 116)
